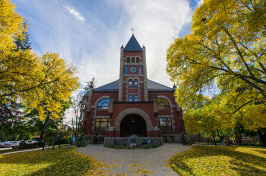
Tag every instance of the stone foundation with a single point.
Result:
(124, 140)
(171, 138)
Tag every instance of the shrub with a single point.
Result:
(80, 142)
(116, 146)
(148, 146)
(183, 140)
(49, 140)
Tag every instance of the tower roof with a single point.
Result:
(132, 44)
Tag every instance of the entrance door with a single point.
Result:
(133, 124)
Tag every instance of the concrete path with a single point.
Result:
(134, 161)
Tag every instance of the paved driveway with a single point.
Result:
(134, 161)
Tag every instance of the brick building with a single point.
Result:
(133, 104)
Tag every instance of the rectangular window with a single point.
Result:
(101, 124)
(137, 59)
(125, 69)
(136, 98)
(165, 123)
(128, 59)
(130, 98)
(139, 69)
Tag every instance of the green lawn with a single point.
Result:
(220, 160)
(64, 161)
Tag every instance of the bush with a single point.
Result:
(80, 142)
(183, 140)
(148, 146)
(49, 140)
(116, 146)
(24, 145)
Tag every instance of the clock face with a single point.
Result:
(133, 69)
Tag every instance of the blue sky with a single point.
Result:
(89, 33)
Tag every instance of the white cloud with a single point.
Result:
(199, 2)
(94, 45)
(74, 12)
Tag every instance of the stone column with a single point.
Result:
(145, 74)
(121, 74)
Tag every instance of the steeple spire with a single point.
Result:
(133, 45)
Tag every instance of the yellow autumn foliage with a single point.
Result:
(41, 83)
(222, 160)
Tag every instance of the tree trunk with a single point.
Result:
(47, 124)
(262, 137)
(214, 138)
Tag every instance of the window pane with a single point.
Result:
(130, 98)
(139, 69)
(125, 69)
(101, 124)
(163, 104)
(130, 83)
(103, 104)
(136, 98)
(137, 59)
(135, 83)
(133, 59)
(165, 123)
(128, 59)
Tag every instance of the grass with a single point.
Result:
(220, 160)
(65, 161)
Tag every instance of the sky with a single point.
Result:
(90, 33)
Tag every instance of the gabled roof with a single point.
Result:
(114, 86)
(132, 44)
(154, 86)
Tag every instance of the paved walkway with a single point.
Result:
(134, 161)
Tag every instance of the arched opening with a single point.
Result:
(133, 124)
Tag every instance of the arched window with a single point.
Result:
(133, 59)
(128, 59)
(103, 104)
(163, 103)
(130, 83)
(135, 83)
(137, 59)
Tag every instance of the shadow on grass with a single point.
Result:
(240, 162)
(64, 161)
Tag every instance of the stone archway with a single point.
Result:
(133, 124)
(137, 111)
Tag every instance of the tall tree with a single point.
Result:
(227, 47)
(26, 76)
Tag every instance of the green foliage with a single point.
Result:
(65, 161)
(183, 140)
(115, 146)
(80, 142)
(49, 140)
(147, 146)
(225, 160)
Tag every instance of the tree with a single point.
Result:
(78, 109)
(26, 76)
(226, 47)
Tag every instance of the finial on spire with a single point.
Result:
(132, 29)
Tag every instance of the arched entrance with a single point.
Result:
(133, 124)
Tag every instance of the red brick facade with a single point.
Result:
(133, 104)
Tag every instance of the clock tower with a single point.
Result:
(133, 73)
